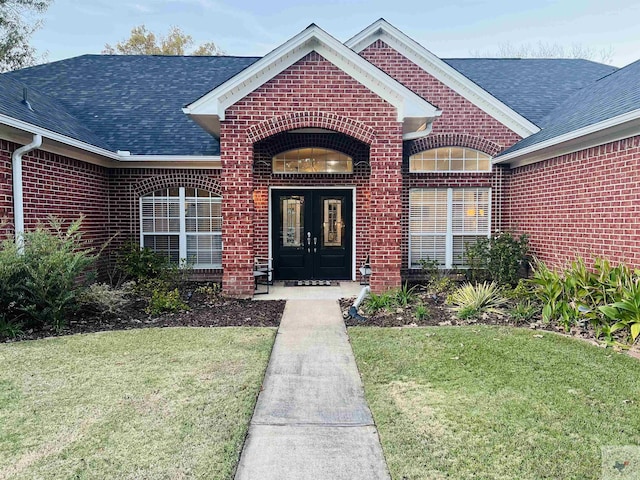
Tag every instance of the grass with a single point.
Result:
(495, 403)
(140, 404)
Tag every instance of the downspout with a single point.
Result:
(18, 203)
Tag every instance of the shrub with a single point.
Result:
(9, 328)
(41, 285)
(140, 263)
(472, 300)
(104, 298)
(165, 301)
(607, 297)
(12, 276)
(438, 280)
(497, 259)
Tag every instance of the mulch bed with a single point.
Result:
(440, 315)
(204, 312)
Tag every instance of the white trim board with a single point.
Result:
(212, 106)
(445, 73)
(610, 130)
(20, 132)
(333, 187)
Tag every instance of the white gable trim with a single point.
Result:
(313, 39)
(382, 30)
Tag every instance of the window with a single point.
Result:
(312, 160)
(442, 221)
(183, 223)
(450, 159)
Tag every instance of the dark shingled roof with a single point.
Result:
(134, 102)
(608, 97)
(45, 112)
(531, 87)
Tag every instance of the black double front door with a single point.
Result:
(312, 234)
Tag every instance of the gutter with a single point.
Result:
(18, 197)
(606, 131)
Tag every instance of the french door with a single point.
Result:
(312, 234)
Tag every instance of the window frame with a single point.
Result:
(422, 152)
(450, 233)
(276, 158)
(183, 234)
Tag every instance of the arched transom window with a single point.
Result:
(312, 160)
(183, 224)
(450, 159)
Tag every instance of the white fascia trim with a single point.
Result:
(610, 130)
(123, 159)
(34, 129)
(445, 73)
(407, 103)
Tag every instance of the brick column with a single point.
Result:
(386, 208)
(237, 212)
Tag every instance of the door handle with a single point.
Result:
(308, 242)
(315, 244)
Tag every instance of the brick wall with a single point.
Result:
(127, 185)
(6, 189)
(65, 188)
(310, 93)
(461, 124)
(585, 203)
(459, 115)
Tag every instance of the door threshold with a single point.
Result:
(311, 283)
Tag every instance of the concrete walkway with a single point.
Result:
(311, 420)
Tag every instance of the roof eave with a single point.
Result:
(210, 108)
(53, 141)
(430, 63)
(610, 130)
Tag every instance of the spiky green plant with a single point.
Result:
(472, 300)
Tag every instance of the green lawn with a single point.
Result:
(141, 404)
(496, 403)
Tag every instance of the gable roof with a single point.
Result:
(611, 102)
(445, 73)
(532, 87)
(133, 102)
(415, 112)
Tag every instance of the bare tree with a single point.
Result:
(548, 50)
(176, 42)
(18, 20)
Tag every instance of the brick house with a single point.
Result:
(322, 153)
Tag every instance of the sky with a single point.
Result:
(448, 28)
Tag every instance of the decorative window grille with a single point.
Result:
(183, 224)
(312, 160)
(450, 159)
(443, 221)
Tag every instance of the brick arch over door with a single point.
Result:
(451, 140)
(177, 179)
(266, 149)
(329, 121)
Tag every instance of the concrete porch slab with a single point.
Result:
(278, 291)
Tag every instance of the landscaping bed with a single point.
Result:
(205, 310)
